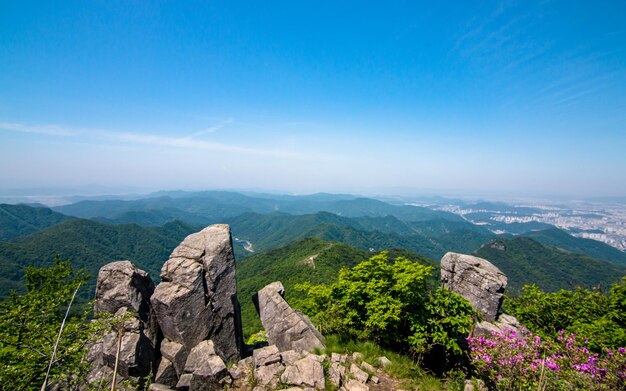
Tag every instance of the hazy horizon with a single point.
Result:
(504, 98)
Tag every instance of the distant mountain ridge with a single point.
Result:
(217, 205)
(146, 230)
(22, 220)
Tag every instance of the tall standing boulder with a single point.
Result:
(197, 298)
(124, 290)
(477, 280)
(286, 328)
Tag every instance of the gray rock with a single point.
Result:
(121, 284)
(184, 381)
(124, 290)
(355, 385)
(358, 374)
(176, 353)
(266, 356)
(306, 372)
(375, 379)
(286, 328)
(211, 375)
(290, 357)
(368, 367)
(166, 373)
(159, 387)
(504, 322)
(199, 355)
(477, 280)
(356, 356)
(384, 361)
(267, 375)
(336, 373)
(316, 357)
(197, 299)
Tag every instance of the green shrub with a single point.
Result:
(393, 304)
(591, 314)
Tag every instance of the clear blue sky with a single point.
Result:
(521, 97)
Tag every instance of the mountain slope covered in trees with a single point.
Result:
(526, 261)
(21, 220)
(89, 245)
(311, 260)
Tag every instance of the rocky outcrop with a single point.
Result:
(477, 280)
(182, 331)
(124, 291)
(197, 298)
(285, 327)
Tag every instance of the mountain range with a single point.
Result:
(91, 233)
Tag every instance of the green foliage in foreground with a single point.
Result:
(393, 304)
(29, 326)
(590, 314)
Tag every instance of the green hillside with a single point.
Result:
(89, 245)
(561, 239)
(275, 230)
(21, 220)
(526, 261)
(310, 260)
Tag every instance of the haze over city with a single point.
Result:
(512, 98)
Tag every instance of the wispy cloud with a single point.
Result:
(190, 143)
(50, 130)
(211, 129)
(149, 139)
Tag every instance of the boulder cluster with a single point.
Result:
(185, 333)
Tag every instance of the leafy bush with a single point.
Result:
(508, 361)
(590, 314)
(29, 328)
(393, 304)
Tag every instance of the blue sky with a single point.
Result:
(516, 97)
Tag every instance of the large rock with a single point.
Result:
(306, 372)
(286, 328)
(197, 299)
(476, 279)
(124, 291)
(121, 284)
(502, 325)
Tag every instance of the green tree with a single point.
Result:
(590, 314)
(393, 304)
(30, 340)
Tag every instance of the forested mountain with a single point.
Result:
(311, 260)
(89, 245)
(559, 238)
(212, 206)
(526, 261)
(21, 220)
(378, 233)
(40, 233)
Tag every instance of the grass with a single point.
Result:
(403, 368)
